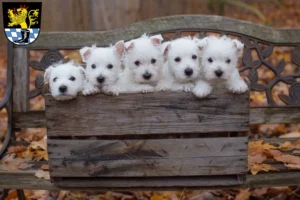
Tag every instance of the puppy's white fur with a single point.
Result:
(182, 67)
(65, 80)
(103, 68)
(143, 64)
(218, 63)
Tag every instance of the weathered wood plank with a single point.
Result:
(20, 80)
(152, 113)
(275, 115)
(31, 119)
(183, 22)
(97, 167)
(146, 149)
(259, 115)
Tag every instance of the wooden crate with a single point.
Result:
(165, 139)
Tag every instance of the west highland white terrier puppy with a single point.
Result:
(182, 67)
(219, 57)
(103, 68)
(143, 63)
(65, 80)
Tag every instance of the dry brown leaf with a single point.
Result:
(272, 153)
(286, 146)
(157, 197)
(259, 147)
(244, 194)
(39, 144)
(291, 159)
(292, 166)
(291, 135)
(16, 149)
(40, 155)
(42, 174)
(255, 168)
(45, 167)
(257, 158)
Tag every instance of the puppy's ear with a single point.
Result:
(202, 43)
(238, 47)
(166, 47)
(129, 45)
(156, 39)
(82, 71)
(85, 53)
(47, 74)
(119, 49)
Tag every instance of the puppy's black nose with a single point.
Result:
(219, 73)
(100, 79)
(63, 88)
(188, 71)
(147, 76)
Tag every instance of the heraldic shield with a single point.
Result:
(22, 21)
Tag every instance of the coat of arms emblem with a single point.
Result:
(22, 21)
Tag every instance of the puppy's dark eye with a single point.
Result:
(54, 79)
(194, 57)
(210, 60)
(72, 78)
(110, 66)
(228, 61)
(177, 59)
(94, 66)
(137, 63)
(153, 61)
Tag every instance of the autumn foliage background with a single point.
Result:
(117, 14)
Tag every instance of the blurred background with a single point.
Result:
(99, 15)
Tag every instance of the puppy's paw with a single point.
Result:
(187, 87)
(89, 90)
(202, 91)
(112, 90)
(162, 87)
(238, 87)
(147, 88)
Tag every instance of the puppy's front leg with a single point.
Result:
(202, 89)
(90, 89)
(236, 84)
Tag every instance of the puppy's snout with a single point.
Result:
(63, 88)
(219, 73)
(100, 79)
(188, 71)
(147, 75)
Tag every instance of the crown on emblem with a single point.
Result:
(24, 7)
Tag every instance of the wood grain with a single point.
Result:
(152, 113)
(20, 80)
(159, 25)
(258, 115)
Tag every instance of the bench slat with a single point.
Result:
(153, 113)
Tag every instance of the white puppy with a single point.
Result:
(103, 68)
(65, 80)
(143, 64)
(182, 67)
(219, 57)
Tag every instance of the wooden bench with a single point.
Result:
(151, 141)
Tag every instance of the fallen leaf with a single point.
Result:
(286, 146)
(39, 144)
(257, 158)
(45, 167)
(291, 135)
(288, 159)
(255, 168)
(243, 195)
(16, 149)
(292, 166)
(272, 153)
(156, 197)
(258, 146)
(42, 174)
